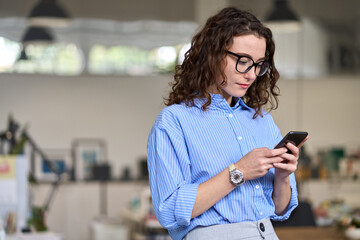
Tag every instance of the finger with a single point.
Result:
(271, 161)
(293, 148)
(285, 166)
(289, 157)
(269, 166)
(275, 152)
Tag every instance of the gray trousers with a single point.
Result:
(259, 230)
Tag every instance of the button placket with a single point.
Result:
(232, 118)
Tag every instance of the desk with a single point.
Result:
(309, 233)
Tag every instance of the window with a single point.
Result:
(57, 58)
(68, 59)
(8, 53)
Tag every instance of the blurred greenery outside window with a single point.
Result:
(68, 59)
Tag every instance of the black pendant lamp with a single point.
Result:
(48, 13)
(37, 35)
(282, 18)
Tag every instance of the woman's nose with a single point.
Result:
(250, 75)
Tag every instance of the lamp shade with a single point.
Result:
(37, 35)
(281, 17)
(48, 13)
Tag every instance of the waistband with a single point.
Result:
(261, 230)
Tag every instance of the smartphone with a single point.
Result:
(294, 137)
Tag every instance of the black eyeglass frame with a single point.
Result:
(252, 65)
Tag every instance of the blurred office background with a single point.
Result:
(87, 91)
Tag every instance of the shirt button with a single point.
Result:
(230, 115)
(261, 213)
(257, 187)
(239, 137)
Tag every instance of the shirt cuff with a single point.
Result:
(292, 205)
(185, 203)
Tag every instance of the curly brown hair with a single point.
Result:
(205, 60)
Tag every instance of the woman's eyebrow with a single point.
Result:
(247, 55)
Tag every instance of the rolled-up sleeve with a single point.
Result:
(173, 193)
(292, 204)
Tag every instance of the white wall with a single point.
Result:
(121, 110)
(327, 107)
(303, 53)
(59, 109)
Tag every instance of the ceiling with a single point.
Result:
(338, 18)
(330, 12)
(121, 10)
(333, 14)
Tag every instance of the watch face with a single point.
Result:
(236, 177)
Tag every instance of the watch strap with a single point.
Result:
(232, 167)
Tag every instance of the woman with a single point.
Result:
(213, 170)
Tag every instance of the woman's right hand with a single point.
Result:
(257, 162)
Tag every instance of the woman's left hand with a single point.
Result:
(289, 165)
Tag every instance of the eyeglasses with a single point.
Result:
(245, 63)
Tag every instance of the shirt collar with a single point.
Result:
(219, 102)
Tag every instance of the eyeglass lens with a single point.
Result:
(244, 64)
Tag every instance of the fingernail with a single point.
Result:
(275, 164)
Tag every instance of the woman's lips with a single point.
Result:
(245, 86)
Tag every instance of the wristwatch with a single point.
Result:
(236, 176)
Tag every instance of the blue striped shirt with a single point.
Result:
(188, 146)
